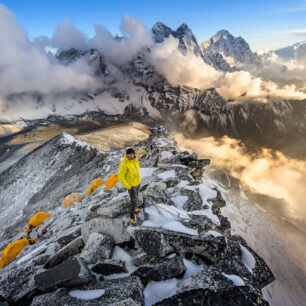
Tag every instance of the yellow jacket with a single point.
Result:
(129, 172)
(13, 249)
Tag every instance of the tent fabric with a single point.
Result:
(111, 181)
(13, 249)
(72, 198)
(96, 184)
(141, 152)
(37, 220)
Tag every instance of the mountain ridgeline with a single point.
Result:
(137, 91)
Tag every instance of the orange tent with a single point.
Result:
(13, 249)
(37, 220)
(71, 198)
(111, 181)
(96, 184)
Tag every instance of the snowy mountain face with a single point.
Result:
(187, 41)
(181, 249)
(228, 53)
(290, 52)
(136, 91)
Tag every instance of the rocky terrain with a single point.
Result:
(181, 252)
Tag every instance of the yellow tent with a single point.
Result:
(71, 198)
(13, 249)
(141, 152)
(111, 181)
(37, 220)
(97, 183)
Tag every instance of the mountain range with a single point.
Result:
(137, 91)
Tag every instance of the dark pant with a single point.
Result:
(133, 192)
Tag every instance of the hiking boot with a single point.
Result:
(137, 210)
(133, 221)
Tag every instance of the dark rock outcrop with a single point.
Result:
(109, 266)
(159, 243)
(70, 273)
(162, 269)
(73, 248)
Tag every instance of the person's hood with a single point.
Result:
(126, 159)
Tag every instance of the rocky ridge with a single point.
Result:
(181, 243)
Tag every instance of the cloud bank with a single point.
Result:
(266, 172)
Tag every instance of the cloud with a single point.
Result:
(192, 71)
(66, 36)
(181, 69)
(266, 172)
(122, 50)
(25, 66)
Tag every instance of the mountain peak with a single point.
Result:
(160, 31)
(226, 45)
(223, 32)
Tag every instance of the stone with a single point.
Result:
(41, 259)
(159, 242)
(17, 283)
(117, 292)
(64, 240)
(126, 302)
(225, 226)
(171, 182)
(161, 269)
(71, 272)
(217, 203)
(117, 207)
(261, 271)
(197, 173)
(109, 266)
(98, 247)
(142, 258)
(210, 287)
(194, 201)
(113, 227)
(157, 191)
(73, 248)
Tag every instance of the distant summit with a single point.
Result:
(235, 51)
(187, 40)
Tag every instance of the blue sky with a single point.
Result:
(264, 24)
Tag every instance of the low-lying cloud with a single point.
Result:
(266, 172)
(192, 71)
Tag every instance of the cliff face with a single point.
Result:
(181, 250)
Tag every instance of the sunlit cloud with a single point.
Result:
(266, 172)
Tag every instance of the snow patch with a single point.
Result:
(166, 154)
(165, 220)
(248, 258)
(237, 280)
(87, 294)
(157, 291)
(179, 201)
(167, 174)
(30, 255)
(147, 171)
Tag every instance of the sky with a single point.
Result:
(266, 25)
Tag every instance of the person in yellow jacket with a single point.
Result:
(13, 249)
(129, 176)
